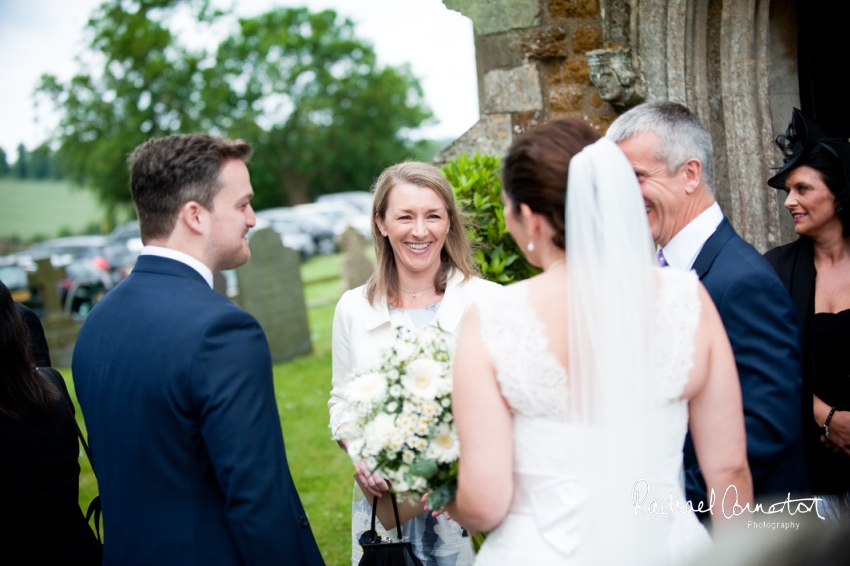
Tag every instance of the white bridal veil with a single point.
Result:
(611, 287)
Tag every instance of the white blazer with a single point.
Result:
(360, 330)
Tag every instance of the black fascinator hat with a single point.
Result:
(803, 143)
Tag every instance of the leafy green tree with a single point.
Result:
(21, 167)
(321, 113)
(146, 86)
(310, 97)
(44, 163)
(4, 164)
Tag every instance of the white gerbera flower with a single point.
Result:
(395, 390)
(446, 401)
(424, 380)
(408, 456)
(367, 388)
(444, 446)
(392, 407)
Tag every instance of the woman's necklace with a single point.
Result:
(556, 262)
(403, 290)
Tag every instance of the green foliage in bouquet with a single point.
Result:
(477, 184)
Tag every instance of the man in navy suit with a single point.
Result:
(175, 381)
(671, 153)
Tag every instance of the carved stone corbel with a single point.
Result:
(613, 75)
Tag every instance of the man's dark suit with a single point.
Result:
(762, 326)
(175, 383)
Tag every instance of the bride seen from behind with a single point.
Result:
(550, 466)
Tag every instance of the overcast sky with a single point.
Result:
(44, 36)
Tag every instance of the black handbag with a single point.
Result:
(377, 552)
(54, 377)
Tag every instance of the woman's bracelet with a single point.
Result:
(826, 423)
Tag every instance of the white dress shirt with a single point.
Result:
(170, 253)
(683, 249)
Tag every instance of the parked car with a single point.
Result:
(340, 214)
(318, 227)
(14, 277)
(62, 251)
(361, 199)
(290, 234)
(128, 234)
(123, 248)
(84, 285)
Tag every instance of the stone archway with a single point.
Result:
(734, 63)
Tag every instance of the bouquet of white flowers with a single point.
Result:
(400, 420)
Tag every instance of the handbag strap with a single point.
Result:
(54, 377)
(395, 512)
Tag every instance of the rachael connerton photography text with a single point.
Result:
(729, 505)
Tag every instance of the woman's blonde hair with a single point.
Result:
(456, 252)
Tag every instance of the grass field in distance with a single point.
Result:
(30, 208)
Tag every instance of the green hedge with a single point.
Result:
(477, 183)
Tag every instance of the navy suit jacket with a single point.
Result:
(175, 383)
(761, 322)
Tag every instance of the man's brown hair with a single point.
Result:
(168, 172)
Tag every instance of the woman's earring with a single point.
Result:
(530, 246)
(838, 209)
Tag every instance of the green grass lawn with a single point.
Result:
(31, 208)
(322, 472)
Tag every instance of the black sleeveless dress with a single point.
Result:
(830, 473)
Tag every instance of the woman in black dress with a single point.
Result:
(39, 471)
(816, 271)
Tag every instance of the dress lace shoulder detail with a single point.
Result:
(531, 379)
(677, 319)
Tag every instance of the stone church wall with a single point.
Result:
(532, 67)
(732, 62)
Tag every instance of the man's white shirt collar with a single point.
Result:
(170, 253)
(683, 249)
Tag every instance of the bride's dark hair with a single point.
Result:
(535, 168)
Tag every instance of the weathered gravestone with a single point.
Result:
(270, 288)
(60, 329)
(356, 267)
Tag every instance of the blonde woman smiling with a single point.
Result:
(425, 276)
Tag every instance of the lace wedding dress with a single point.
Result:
(549, 517)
